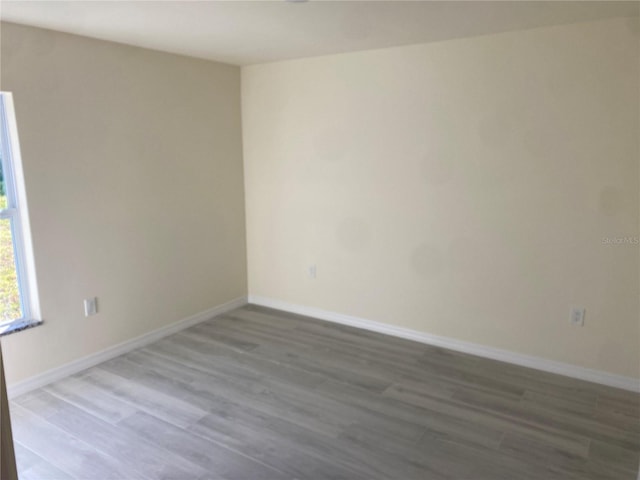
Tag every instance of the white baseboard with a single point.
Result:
(83, 363)
(561, 368)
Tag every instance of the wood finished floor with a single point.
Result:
(260, 394)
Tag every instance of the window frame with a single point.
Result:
(16, 213)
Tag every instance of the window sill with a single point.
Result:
(18, 326)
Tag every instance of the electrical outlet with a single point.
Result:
(90, 306)
(577, 317)
(312, 271)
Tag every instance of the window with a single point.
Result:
(17, 276)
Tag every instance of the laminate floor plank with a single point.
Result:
(168, 408)
(200, 393)
(64, 451)
(584, 426)
(110, 440)
(617, 404)
(317, 335)
(346, 455)
(449, 420)
(260, 366)
(559, 463)
(623, 458)
(560, 404)
(268, 395)
(237, 426)
(444, 459)
(91, 399)
(575, 390)
(374, 360)
(25, 458)
(43, 470)
(324, 364)
(358, 337)
(218, 460)
(259, 363)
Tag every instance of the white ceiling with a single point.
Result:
(246, 32)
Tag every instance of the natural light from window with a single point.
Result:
(10, 307)
(16, 267)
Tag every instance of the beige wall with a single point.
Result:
(461, 188)
(133, 168)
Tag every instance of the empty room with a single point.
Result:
(312, 239)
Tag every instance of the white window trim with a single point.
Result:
(17, 211)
